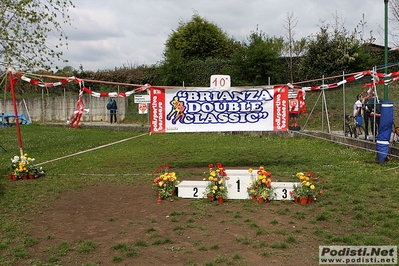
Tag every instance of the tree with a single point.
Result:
(394, 10)
(195, 40)
(330, 52)
(25, 28)
(291, 24)
(258, 59)
(198, 39)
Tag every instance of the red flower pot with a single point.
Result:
(254, 197)
(296, 199)
(310, 199)
(303, 200)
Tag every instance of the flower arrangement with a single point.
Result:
(22, 165)
(261, 185)
(216, 187)
(165, 183)
(309, 186)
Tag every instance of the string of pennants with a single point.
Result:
(80, 81)
(378, 78)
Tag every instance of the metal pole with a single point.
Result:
(386, 50)
(322, 107)
(343, 100)
(14, 101)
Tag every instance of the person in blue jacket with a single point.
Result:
(112, 107)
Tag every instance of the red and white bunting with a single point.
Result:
(49, 84)
(116, 94)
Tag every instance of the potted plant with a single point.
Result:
(260, 189)
(308, 189)
(165, 183)
(216, 188)
(21, 166)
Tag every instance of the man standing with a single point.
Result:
(372, 113)
(112, 107)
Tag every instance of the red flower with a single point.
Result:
(219, 165)
(321, 191)
(210, 166)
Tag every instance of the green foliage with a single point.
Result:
(257, 58)
(25, 26)
(86, 246)
(330, 52)
(198, 39)
(187, 49)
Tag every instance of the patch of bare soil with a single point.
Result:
(129, 227)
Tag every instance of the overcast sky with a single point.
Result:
(109, 34)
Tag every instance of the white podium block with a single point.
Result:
(191, 189)
(282, 190)
(238, 184)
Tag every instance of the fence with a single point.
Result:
(56, 109)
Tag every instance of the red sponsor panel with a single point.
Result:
(157, 114)
(280, 117)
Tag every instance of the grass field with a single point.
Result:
(360, 206)
(38, 217)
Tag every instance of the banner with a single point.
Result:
(214, 110)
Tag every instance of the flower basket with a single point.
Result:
(165, 183)
(308, 189)
(216, 188)
(260, 189)
(21, 167)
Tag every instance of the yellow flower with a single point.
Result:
(299, 174)
(312, 187)
(214, 188)
(250, 170)
(307, 184)
(221, 187)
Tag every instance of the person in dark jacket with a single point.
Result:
(113, 107)
(372, 113)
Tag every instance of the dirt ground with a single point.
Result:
(129, 227)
